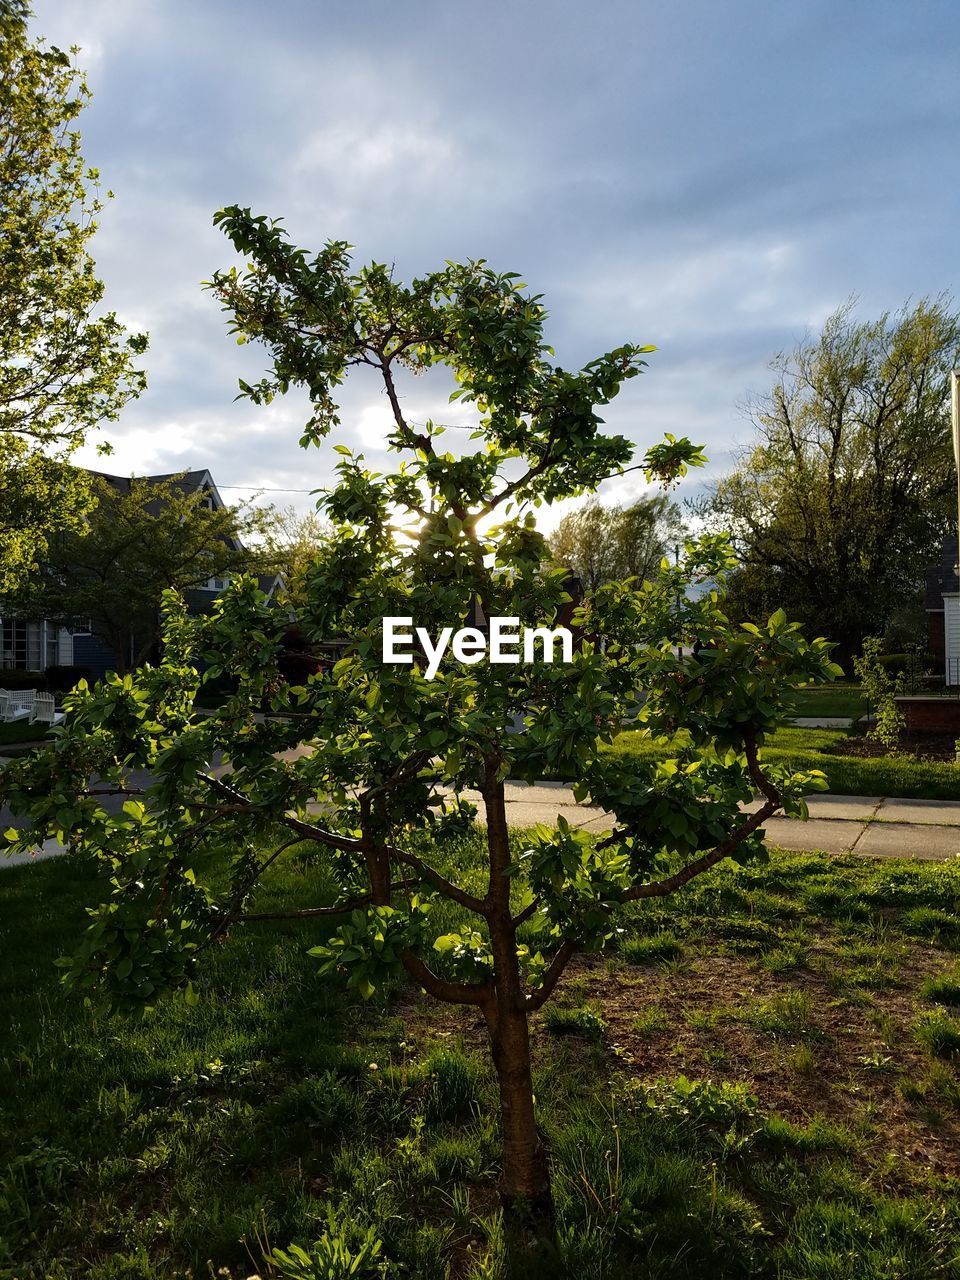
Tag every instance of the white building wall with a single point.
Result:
(951, 636)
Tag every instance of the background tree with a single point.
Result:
(601, 544)
(370, 766)
(64, 369)
(843, 499)
(290, 543)
(137, 541)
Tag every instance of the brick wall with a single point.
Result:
(931, 715)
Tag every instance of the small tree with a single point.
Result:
(389, 753)
(140, 539)
(290, 545)
(881, 688)
(64, 367)
(602, 543)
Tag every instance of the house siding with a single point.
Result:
(951, 636)
(92, 656)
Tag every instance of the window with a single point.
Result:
(50, 651)
(20, 647)
(218, 584)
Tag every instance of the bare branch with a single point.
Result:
(529, 910)
(760, 779)
(309, 913)
(305, 829)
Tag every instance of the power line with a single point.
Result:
(265, 488)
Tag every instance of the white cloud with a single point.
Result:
(356, 154)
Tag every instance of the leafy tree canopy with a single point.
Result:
(374, 765)
(845, 495)
(601, 544)
(290, 543)
(64, 368)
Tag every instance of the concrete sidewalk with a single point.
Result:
(872, 826)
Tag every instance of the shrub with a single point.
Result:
(11, 678)
(881, 687)
(901, 664)
(63, 679)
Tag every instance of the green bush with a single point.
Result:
(63, 679)
(16, 679)
(900, 664)
(881, 683)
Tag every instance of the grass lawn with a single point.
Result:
(759, 1082)
(832, 700)
(846, 775)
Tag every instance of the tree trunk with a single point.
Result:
(525, 1183)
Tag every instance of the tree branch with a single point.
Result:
(441, 988)
(434, 878)
(305, 829)
(349, 845)
(309, 913)
(529, 910)
(552, 976)
(660, 888)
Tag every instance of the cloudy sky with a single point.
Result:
(713, 178)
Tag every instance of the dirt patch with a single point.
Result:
(847, 1060)
(938, 747)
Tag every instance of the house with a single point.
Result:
(38, 645)
(942, 602)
